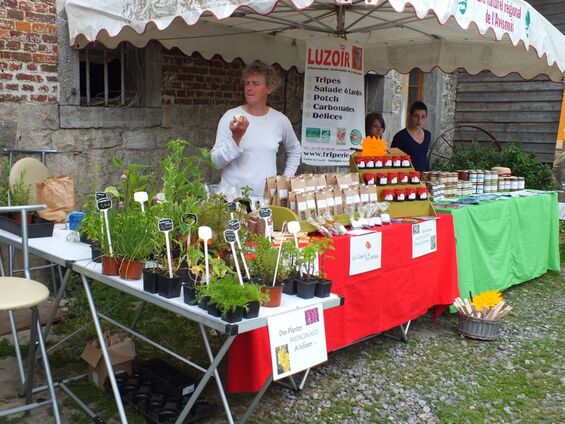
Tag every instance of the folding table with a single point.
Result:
(91, 270)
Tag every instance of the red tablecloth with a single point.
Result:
(401, 290)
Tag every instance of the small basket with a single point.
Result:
(478, 328)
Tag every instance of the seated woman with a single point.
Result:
(414, 140)
(374, 125)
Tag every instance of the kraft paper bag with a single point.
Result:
(58, 193)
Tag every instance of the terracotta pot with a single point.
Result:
(111, 265)
(275, 296)
(131, 270)
(18, 218)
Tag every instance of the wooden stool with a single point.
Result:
(21, 293)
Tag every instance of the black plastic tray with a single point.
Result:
(173, 381)
(38, 228)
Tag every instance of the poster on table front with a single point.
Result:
(298, 340)
(333, 116)
(365, 253)
(424, 238)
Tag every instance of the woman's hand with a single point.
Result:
(238, 126)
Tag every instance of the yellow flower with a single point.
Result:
(488, 299)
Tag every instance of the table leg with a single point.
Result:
(404, 329)
(138, 314)
(213, 366)
(57, 302)
(104, 349)
(27, 388)
(216, 375)
(256, 400)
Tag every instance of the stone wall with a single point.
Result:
(28, 51)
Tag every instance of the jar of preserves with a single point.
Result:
(378, 162)
(410, 193)
(414, 177)
(473, 176)
(393, 177)
(422, 193)
(399, 194)
(405, 161)
(387, 195)
(396, 162)
(402, 178)
(361, 162)
(369, 178)
(387, 161)
(382, 178)
(521, 183)
(369, 162)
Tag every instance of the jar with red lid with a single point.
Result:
(393, 177)
(399, 194)
(379, 161)
(396, 162)
(369, 178)
(387, 195)
(422, 193)
(402, 178)
(411, 194)
(405, 161)
(382, 178)
(361, 162)
(414, 177)
(387, 161)
(369, 162)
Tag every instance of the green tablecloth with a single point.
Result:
(505, 242)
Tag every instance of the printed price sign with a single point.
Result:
(231, 206)
(229, 236)
(165, 225)
(424, 238)
(100, 195)
(265, 212)
(191, 218)
(104, 204)
(298, 340)
(234, 224)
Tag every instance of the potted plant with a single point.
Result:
(229, 298)
(264, 266)
(194, 272)
(255, 298)
(132, 242)
(306, 285)
(19, 195)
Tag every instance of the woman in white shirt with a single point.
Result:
(248, 136)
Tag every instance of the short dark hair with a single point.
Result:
(372, 117)
(259, 68)
(418, 106)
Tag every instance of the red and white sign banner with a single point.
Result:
(333, 117)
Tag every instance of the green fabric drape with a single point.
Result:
(505, 242)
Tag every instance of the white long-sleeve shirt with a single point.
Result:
(255, 159)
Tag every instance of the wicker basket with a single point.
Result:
(478, 328)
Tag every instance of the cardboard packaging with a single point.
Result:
(122, 353)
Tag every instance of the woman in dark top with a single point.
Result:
(374, 125)
(414, 140)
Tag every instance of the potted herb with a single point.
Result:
(255, 298)
(306, 285)
(264, 267)
(229, 297)
(19, 195)
(133, 242)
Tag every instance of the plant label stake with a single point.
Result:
(279, 253)
(165, 226)
(234, 225)
(230, 238)
(99, 195)
(141, 197)
(103, 205)
(294, 229)
(232, 207)
(205, 233)
(191, 220)
(265, 213)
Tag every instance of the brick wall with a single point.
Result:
(28, 51)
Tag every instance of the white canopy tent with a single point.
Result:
(502, 36)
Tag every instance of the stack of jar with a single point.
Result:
(511, 183)
(392, 178)
(377, 162)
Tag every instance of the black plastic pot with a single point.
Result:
(252, 309)
(252, 280)
(323, 288)
(150, 281)
(305, 289)
(169, 287)
(203, 303)
(96, 253)
(289, 286)
(188, 293)
(234, 316)
(213, 310)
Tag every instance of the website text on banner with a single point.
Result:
(334, 102)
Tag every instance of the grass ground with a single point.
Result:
(437, 376)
